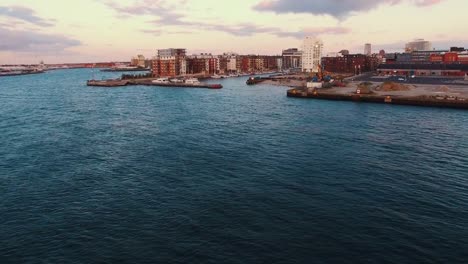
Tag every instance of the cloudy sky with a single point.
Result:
(109, 30)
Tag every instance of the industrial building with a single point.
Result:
(454, 70)
(453, 62)
(428, 57)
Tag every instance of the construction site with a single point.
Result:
(454, 96)
(332, 86)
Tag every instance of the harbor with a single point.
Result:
(420, 91)
(150, 140)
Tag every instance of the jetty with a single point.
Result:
(125, 69)
(388, 93)
(178, 84)
(107, 83)
(149, 82)
(18, 73)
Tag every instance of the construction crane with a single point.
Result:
(321, 76)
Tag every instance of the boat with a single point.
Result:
(161, 80)
(193, 81)
(175, 80)
(254, 80)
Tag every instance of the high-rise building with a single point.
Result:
(311, 54)
(367, 49)
(418, 45)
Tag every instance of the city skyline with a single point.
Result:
(100, 30)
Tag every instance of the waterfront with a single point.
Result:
(238, 175)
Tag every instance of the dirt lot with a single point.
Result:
(286, 82)
(413, 90)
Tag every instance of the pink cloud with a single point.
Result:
(336, 8)
(428, 2)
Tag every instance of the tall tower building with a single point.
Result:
(312, 50)
(368, 49)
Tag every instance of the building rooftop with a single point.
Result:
(412, 66)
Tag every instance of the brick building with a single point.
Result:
(353, 63)
(168, 63)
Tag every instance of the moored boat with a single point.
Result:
(161, 80)
(193, 81)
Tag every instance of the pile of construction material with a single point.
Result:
(443, 89)
(364, 88)
(392, 87)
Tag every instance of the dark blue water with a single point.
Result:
(239, 175)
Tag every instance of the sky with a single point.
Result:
(58, 31)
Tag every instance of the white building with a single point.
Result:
(279, 62)
(368, 49)
(311, 54)
(183, 66)
(232, 63)
(418, 45)
(138, 61)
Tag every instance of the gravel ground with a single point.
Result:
(415, 90)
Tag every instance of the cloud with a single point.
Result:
(32, 41)
(159, 32)
(242, 29)
(154, 32)
(249, 29)
(336, 8)
(171, 19)
(315, 31)
(25, 14)
(327, 30)
(428, 2)
(166, 17)
(161, 8)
